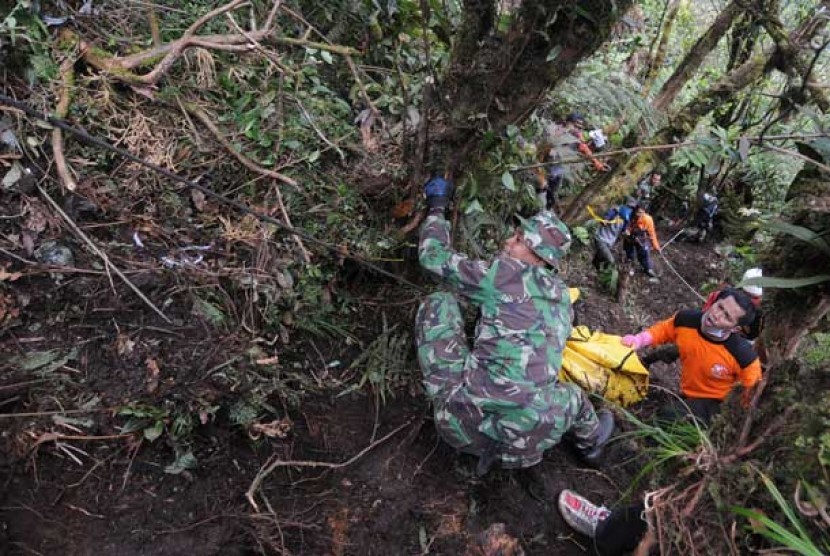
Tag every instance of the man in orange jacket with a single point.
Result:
(640, 237)
(714, 357)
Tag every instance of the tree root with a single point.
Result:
(273, 463)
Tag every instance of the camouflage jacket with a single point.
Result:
(525, 322)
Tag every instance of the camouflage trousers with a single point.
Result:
(447, 363)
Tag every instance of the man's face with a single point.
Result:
(516, 247)
(656, 179)
(723, 314)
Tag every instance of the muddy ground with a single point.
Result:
(92, 489)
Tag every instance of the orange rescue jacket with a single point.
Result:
(644, 226)
(708, 369)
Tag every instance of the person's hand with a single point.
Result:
(438, 192)
(637, 341)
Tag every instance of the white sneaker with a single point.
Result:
(580, 514)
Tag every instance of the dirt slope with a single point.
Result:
(410, 494)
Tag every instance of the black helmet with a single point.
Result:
(575, 117)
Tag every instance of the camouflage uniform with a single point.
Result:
(505, 389)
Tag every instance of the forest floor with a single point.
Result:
(79, 485)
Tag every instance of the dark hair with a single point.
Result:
(575, 117)
(743, 300)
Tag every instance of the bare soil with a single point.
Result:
(94, 493)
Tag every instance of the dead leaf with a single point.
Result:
(153, 373)
(367, 120)
(8, 309)
(198, 199)
(403, 209)
(37, 218)
(496, 542)
(27, 239)
(123, 345)
(268, 360)
(278, 428)
(339, 525)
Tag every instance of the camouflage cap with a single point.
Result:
(547, 236)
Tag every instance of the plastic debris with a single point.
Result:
(53, 253)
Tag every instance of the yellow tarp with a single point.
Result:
(600, 364)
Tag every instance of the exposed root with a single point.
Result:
(274, 463)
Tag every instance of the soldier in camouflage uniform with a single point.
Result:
(501, 400)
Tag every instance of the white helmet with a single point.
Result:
(755, 291)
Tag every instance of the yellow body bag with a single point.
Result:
(599, 364)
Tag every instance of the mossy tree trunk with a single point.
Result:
(655, 63)
(695, 57)
(792, 313)
(497, 77)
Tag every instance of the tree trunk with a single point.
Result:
(496, 79)
(799, 311)
(656, 62)
(684, 121)
(692, 61)
(790, 60)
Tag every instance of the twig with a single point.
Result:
(95, 249)
(202, 116)
(690, 507)
(22, 384)
(262, 50)
(364, 93)
(798, 155)
(67, 82)
(320, 134)
(61, 412)
(270, 466)
(740, 452)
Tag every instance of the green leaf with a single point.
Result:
(326, 56)
(507, 181)
(314, 156)
(802, 233)
(154, 431)
(785, 283)
(35, 359)
(209, 311)
(554, 53)
(474, 207)
(183, 461)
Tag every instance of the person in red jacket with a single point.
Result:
(640, 237)
(753, 329)
(714, 356)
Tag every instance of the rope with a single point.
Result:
(668, 264)
(98, 142)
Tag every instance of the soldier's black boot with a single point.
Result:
(593, 448)
(533, 482)
(487, 458)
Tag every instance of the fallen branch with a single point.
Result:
(59, 412)
(163, 57)
(206, 120)
(104, 257)
(270, 465)
(67, 82)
